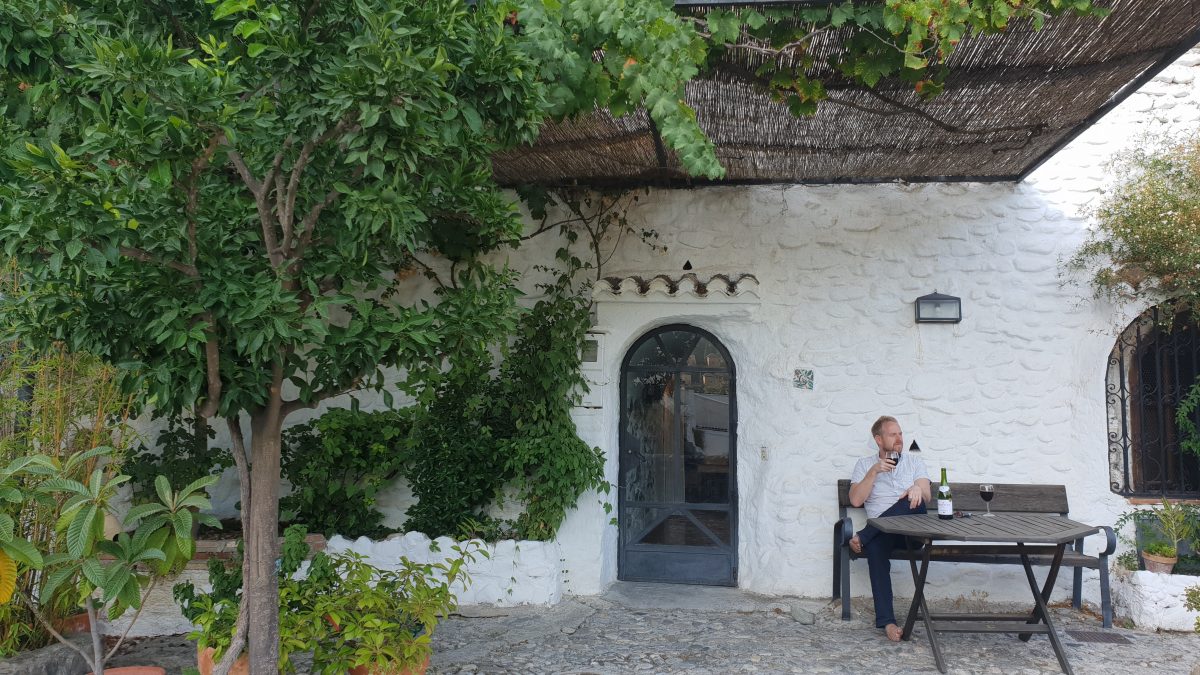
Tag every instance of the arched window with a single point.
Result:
(1150, 370)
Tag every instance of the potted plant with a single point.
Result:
(1159, 557)
(215, 612)
(113, 576)
(1175, 523)
(372, 621)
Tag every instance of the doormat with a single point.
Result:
(1098, 636)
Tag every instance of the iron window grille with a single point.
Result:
(1151, 369)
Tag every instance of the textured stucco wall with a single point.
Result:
(1154, 601)
(1014, 393)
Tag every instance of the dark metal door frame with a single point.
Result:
(682, 507)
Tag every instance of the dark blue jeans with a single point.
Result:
(878, 546)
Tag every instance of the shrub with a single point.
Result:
(337, 464)
(1192, 602)
(182, 453)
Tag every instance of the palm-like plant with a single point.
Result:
(113, 575)
(169, 521)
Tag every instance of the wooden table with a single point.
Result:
(1030, 533)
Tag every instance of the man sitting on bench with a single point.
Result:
(886, 489)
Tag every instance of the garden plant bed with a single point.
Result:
(1154, 601)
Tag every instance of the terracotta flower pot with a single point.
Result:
(1158, 563)
(205, 662)
(134, 670)
(384, 670)
(73, 625)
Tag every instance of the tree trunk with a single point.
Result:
(260, 587)
(94, 626)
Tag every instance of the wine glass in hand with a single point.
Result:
(892, 457)
(986, 492)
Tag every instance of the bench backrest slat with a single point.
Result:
(1010, 497)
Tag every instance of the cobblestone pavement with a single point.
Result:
(594, 635)
(717, 631)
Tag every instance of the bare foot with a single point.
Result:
(893, 632)
(855, 544)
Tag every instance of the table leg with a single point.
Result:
(1047, 588)
(918, 603)
(1040, 610)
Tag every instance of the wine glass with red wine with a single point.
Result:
(986, 492)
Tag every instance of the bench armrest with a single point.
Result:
(1112, 541)
(845, 529)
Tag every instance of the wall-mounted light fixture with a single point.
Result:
(938, 308)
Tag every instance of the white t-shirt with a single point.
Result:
(888, 486)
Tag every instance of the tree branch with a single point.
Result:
(270, 241)
(50, 629)
(149, 590)
(238, 642)
(276, 176)
(239, 163)
(138, 254)
(293, 187)
(193, 193)
(212, 366)
(429, 271)
(295, 404)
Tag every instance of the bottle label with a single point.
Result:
(945, 507)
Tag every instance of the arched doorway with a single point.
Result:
(677, 498)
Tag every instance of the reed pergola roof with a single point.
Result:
(1011, 101)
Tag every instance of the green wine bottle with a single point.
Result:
(945, 501)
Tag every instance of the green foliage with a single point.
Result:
(1160, 548)
(97, 572)
(345, 611)
(336, 465)
(171, 521)
(1192, 602)
(19, 630)
(490, 432)
(651, 50)
(60, 404)
(220, 200)
(539, 382)
(1146, 243)
(215, 612)
(182, 453)
(1161, 528)
(1127, 560)
(350, 613)
(456, 468)
(132, 207)
(1185, 413)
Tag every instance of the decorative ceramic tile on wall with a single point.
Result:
(802, 378)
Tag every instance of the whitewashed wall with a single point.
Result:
(1154, 601)
(1014, 393)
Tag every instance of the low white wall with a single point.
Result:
(1154, 601)
(511, 572)
(160, 615)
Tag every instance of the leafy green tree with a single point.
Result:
(224, 197)
(219, 200)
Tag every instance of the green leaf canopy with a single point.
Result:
(196, 191)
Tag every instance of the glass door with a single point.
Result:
(677, 488)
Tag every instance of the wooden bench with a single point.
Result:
(1010, 498)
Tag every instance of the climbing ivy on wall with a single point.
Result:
(486, 432)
